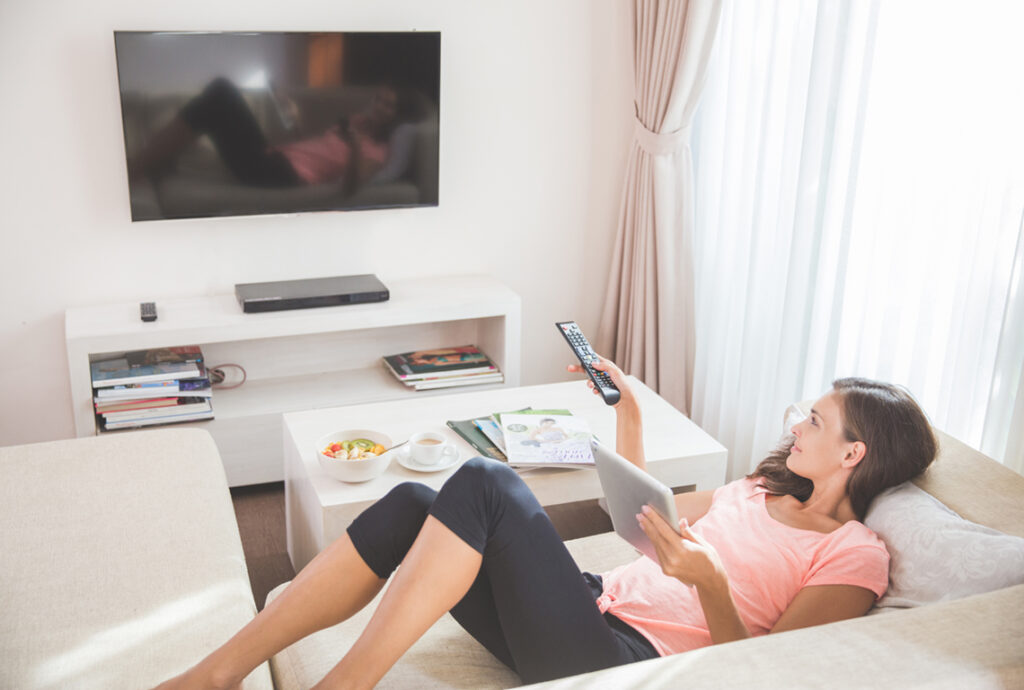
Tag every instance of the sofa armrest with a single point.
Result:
(123, 563)
(968, 643)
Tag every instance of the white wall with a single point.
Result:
(536, 119)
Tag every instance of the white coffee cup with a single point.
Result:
(429, 447)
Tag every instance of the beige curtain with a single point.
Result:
(647, 325)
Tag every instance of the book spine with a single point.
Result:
(157, 377)
(179, 409)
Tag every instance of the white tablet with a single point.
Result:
(627, 489)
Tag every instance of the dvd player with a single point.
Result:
(310, 292)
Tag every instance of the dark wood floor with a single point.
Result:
(259, 510)
(260, 513)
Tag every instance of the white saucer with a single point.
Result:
(406, 461)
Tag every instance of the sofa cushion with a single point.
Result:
(445, 657)
(936, 555)
(969, 643)
(122, 560)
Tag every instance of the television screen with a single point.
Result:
(228, 124)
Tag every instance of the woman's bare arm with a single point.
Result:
(629, 431)
(693, 505)
(820, 604)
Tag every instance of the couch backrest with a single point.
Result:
(975, 486)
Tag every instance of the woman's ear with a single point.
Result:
(855, 454)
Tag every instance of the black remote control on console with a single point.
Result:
(147, 311)
(581, 346)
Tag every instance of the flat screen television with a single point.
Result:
(230, 124)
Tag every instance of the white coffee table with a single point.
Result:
(319, 508)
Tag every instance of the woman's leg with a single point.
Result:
(488, 553)
(331, 588)
(435, 575)
(547, 611)
(221, 113)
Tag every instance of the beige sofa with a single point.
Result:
(975, 642)
(122, 564)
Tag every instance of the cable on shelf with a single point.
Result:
(217, 376)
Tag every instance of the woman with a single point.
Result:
(351, 151)
(778, 550)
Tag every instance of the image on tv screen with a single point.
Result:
(234, 124)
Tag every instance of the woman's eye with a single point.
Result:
(814, 422)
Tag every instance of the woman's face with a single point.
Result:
(821, 445)
(385, 106)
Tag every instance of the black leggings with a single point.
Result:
(530, 605)
(221, 113)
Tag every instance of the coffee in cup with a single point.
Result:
(429, 447)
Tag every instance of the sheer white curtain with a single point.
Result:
(858, 212)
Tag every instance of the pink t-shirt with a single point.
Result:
(767, 561)
(327, 157)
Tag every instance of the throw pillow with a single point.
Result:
(936, 555)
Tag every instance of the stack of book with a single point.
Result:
(443, 368)
(530, 438)
(151, 387)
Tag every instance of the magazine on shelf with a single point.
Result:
(164, 355)
(161, 389)
(103, 407)
(182, 407)
(440, 362)
(130, 391)
(157, 421)
(540, 438)
(474, 380)
(115, 372)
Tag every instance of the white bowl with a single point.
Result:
(354, 470)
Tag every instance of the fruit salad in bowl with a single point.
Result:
(355, 455)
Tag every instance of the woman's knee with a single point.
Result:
(483, 474)
(410, 496)
(384, 532)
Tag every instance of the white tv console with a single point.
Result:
(300, 359)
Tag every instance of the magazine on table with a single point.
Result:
(544, 438)
(467, 429)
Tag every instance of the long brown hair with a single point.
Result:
(888, 421)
